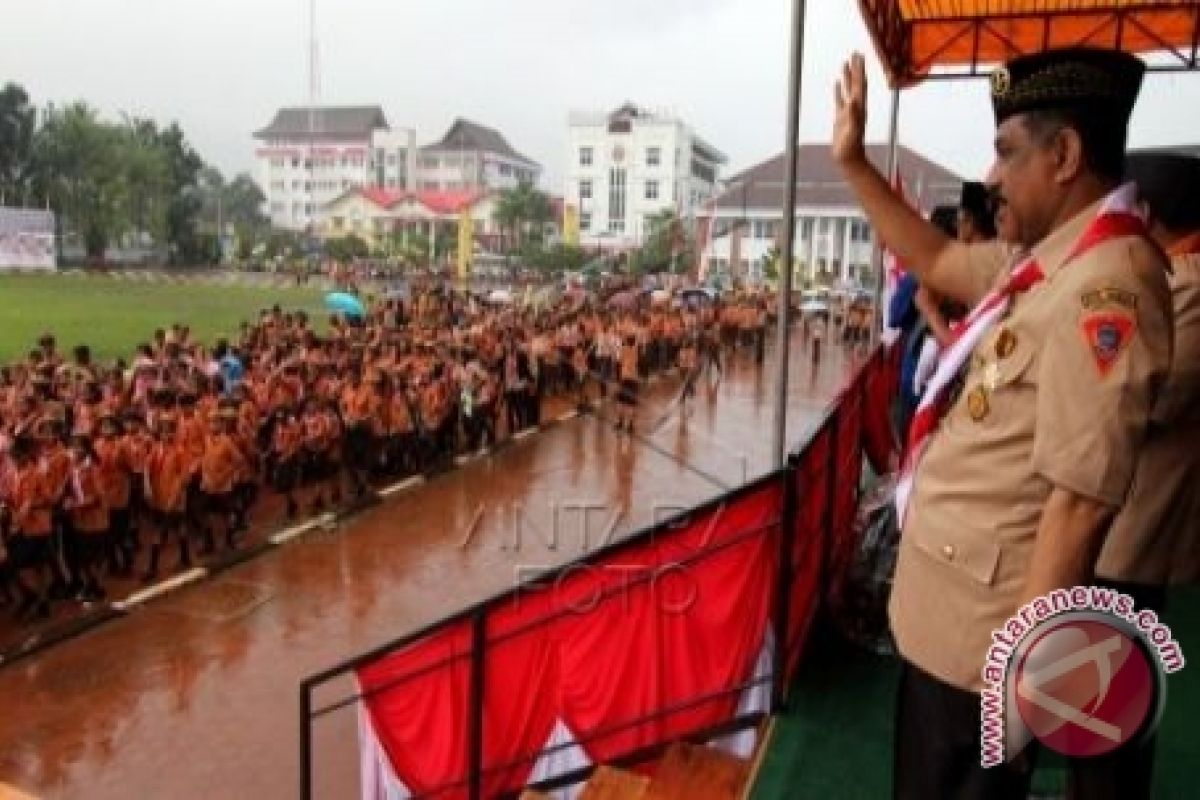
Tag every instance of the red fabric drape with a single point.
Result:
(561, 651)
(882, 379)
(808, 544)
(847, 472)
(419, 709)
(520, 700)
(692, 632)
(600, 647)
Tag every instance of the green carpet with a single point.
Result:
(836, 741)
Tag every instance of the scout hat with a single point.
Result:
(1168, 183)
(1106, 82)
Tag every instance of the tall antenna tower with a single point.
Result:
(314, 97)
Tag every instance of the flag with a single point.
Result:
(570, 225)
(466, 243)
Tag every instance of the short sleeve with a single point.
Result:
(982, 264)
(1104, 360)
(1180, 401)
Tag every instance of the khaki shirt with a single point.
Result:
(1156, 537)
(1040, 407)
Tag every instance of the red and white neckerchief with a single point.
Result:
(1118, 216)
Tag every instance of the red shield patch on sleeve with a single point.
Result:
(1108, 334)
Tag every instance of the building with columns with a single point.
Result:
(375, 215)
(630, 165)
(743, 226)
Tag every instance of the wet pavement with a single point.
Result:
(195, 695)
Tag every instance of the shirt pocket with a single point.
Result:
(972, 556)
(996, 394)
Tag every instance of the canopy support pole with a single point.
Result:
(779, 439)
(893, 166)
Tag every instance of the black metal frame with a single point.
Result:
(830, 422)
(894, 37)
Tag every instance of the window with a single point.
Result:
(653, 156)
(391, 159)
(764, 229)
(651, 190)
(585, 156)
(295, 186)
(806, 229)
(860, 231)
(585, 190)
(429, 163)
(585, 220)
(616, 200)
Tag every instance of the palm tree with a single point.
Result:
(522, 213)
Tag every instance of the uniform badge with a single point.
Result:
(977, 404)
(1001, 82)
(1109, 297)
(1107, 334)
(1006, 343)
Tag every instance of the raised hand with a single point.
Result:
(850, 121)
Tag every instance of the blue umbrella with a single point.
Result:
(347, 304)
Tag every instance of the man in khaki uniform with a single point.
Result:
(1020, 477)
(1155, 539)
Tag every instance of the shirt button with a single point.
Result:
(948, 552)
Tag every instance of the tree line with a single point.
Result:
(128, 182)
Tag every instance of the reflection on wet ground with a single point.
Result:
(195, 695)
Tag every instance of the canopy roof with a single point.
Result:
(962, 38)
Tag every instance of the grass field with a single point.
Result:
(113, 315)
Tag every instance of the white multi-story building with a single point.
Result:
(627, 167)
(473, 156)
(834, 242)
(309, 156)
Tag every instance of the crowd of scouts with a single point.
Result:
(104, 467)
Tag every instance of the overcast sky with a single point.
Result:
(222, 67)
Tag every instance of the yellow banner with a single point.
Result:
(570, 225)
(466, 243)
